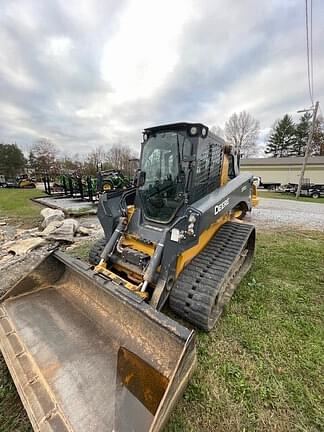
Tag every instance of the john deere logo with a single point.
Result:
(221, 206)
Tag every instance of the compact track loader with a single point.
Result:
(87, 345)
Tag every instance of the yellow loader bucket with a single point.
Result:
(88, 355)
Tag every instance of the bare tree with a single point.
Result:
(242, 131)
(120, 157)
(69, 164)
(94, 161)
(44, 155)
(217, 130)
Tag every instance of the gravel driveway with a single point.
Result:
(274, 213)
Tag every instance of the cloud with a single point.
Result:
(144, 51)
(85, 73)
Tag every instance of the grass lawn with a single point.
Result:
(261, 368)
(288, 196)
(16, 205)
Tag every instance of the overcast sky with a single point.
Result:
(85, 73)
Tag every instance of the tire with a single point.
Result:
(107, 186)
(96, 251)
(315, 195)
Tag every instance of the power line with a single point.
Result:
(311, 46)
(308, 52)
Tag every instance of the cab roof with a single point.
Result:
(174, 126)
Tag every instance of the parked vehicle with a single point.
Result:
(21, 182)
(315, 191)
(112, 180)
(24, 182)
(289, 188)
(267, 185)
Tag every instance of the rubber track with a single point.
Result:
(198, 285)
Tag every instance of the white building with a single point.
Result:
(285, 170)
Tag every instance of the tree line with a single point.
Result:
(286, 137)
(242, 131)
(44, 158)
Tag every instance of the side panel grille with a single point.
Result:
(208, 169)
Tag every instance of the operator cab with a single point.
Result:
(166, 163)
(180, 164)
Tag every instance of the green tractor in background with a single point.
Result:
(73, 185)
(112, 179)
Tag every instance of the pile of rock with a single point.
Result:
(53, 230)
(23, 249)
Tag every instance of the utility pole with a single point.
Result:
(308, 148)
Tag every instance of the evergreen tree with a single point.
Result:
(12, 161)
(32, 161)
(282, 138)
(302, 133)
(318, 138)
